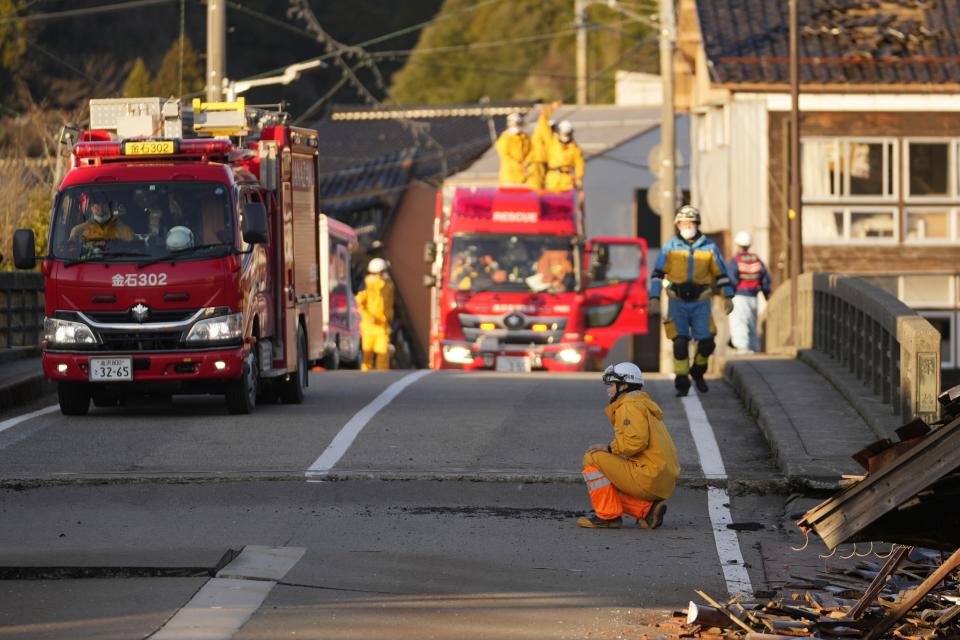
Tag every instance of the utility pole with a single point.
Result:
(794, 214)
(580, 11)
(216, 48)
(668, 175)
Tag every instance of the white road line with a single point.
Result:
(225, 603)
(342, 441)
(12, 422)
(718, 501)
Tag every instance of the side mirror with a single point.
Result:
(254, 227)
(24, 249)
(429, 280)
(429, 252)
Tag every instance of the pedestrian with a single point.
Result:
(515, 150)
(638, 470)
(694, 269)
(376, 315)
(749, 277)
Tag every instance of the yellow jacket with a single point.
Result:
(564, 165)
(641, 437)
(113, 230)
(376, 304)
(514, 151)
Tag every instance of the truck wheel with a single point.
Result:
(242, 394)
(331, 362)
(74, 398)
(291, 390)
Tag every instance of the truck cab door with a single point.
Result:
(616, 292)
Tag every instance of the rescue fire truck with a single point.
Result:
(516, 288)
(187, 254)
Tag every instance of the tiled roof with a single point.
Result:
(841, 41)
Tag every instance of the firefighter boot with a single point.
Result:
(655, 517)
(697, 371)
(682, 384)
(595, 522)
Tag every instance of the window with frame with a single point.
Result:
(825, 225)
(930, 165)
(852, 169)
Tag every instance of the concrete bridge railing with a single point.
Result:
(881, 341)
(21, 309)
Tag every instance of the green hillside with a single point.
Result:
(520, 49)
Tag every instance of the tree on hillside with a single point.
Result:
(167, 81)
(138, 82)
(13, 44)
(461, 57)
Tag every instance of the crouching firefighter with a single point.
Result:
(638, 470)
(694, 269)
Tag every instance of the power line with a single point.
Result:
(70, 13)
(475, 45)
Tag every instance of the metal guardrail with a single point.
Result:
(884, 343)
(21, 309)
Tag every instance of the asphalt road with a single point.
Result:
(449, 513)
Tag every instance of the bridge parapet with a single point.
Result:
(884, 343)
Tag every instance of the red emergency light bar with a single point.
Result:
(145, 149)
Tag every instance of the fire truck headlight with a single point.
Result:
(218, 329)
(57, 331)
(569, 356)
(457, 355)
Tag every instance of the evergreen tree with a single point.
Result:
(138, 82)
(13, 44)
(166, 83)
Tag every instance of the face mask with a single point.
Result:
(514, 130)
(688, 234)
(101, 217)
(564, 137)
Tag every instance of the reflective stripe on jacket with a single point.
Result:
(748, 275)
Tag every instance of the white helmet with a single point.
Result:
(515, 119)
(743, 239)
(377, 265)
(624, 372)
(564, 129)
(179, 238)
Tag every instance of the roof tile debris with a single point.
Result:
(841, 41)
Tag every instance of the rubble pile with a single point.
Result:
(914, 595)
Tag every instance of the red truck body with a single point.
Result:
(137, 315)
(513, 291)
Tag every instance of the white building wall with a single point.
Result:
(611, 180)
(729, 170)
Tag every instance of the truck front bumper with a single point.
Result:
(181, 371)
(470, 356)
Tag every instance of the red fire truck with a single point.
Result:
(190, 264)
(516, 289)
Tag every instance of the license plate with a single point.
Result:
(148, 148)
(513, 364)
(110, 369)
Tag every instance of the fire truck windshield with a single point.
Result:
(521, 263)
(123, 222)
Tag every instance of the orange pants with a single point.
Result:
(608, 501)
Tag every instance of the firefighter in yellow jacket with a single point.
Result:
(104, 225)
(638, 470)
(564, 160)
(515, 148)
(376, 315)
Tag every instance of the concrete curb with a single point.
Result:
(781, 433)
(878, 416)
(23, 389)
(18, 353)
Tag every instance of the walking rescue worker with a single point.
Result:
(693, 267)
(749, 277)
(638, 470)
(515, 150)
(103, 224)
(376, 315)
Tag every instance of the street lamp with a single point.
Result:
(233, 88)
